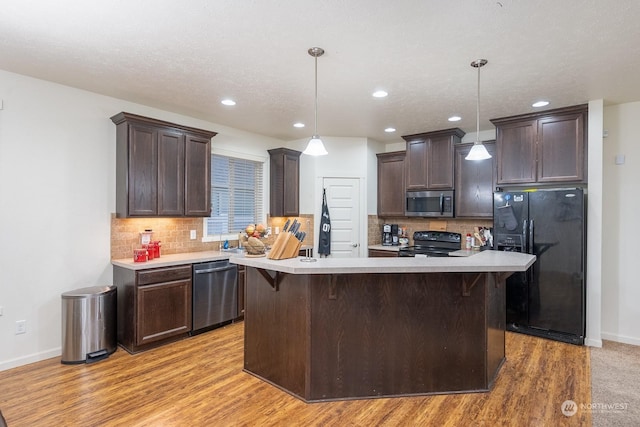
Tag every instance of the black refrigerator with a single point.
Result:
(548, 300)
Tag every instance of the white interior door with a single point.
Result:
(343, 199)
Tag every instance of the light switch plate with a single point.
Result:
(193, 234)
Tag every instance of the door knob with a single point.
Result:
(355, 245)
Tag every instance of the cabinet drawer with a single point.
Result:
(158, 275)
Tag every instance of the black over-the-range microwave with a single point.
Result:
(429, 203)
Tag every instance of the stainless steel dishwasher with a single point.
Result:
(215, 294)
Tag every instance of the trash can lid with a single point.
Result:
(89, 292)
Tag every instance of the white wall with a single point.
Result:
(373, 147)
(594, 225)
(620, 285)
(347, 158)
(57, 189)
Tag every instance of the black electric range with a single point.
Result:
(432, 244)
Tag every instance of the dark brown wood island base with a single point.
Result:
(365, 335)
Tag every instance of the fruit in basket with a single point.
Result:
(254, 246)
(250, 229)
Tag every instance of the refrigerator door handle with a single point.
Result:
(531, 273)
(524, 236)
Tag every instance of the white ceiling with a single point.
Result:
(186, 56)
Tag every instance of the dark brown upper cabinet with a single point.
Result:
(284, 186)
(162, 169)
(391, 188)
(429, 159)
(475, 181)
(546, 147)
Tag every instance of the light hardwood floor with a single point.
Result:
(199, 382)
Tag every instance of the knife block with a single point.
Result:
(285, 246)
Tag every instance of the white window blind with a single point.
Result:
(236, 194)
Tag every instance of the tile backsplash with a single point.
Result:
(174, 234)
(462, 226)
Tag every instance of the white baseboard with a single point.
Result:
(620, 338)
(590, 342)
(31, 358)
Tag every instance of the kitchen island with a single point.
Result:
(377, 327)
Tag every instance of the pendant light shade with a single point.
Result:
(315, 146)
(478, 151)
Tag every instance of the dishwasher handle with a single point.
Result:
(213, 270)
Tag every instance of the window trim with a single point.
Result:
(265, 173)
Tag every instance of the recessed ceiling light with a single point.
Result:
(540, 104)
(228, 102)
(380, 94)
(389, 130)
(298, 125)
(454, 118)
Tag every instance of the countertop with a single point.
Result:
(485, 261)
(182, 258)
(460, 261)
(175, 259)
(462, 252)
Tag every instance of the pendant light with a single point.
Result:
(315, 146)
(478, 150)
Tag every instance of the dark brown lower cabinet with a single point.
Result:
(154, 306)
(377, 253)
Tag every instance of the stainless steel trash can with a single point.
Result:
(88, 324)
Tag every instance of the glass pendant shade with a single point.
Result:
(315, 147)
(478, 152)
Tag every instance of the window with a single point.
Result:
(236, 195)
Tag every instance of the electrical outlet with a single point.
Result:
(193, 234)
(21, 327)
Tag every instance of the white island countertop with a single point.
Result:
(485, 261)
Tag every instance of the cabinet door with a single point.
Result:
(440, 163)
(164, 311)
(284, 182)
(197, 201)
(142, 171)
(475, 180)
(391, 191)
(561, 148)
(516, 145)
(416, 164)
(291, 202)
(170, 173)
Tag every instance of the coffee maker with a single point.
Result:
(387, 239)
(394, 234)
